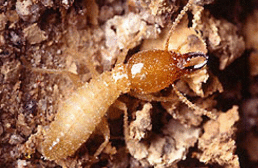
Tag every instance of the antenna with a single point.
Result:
(177, 20)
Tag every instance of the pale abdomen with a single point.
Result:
(81, 113)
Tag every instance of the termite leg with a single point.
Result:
(149, 97)
(73, 50)
(94, 73)
(73, 77)
(193, 106)
(103, 127)
(122, 106)
(122, 55)
(126, 123)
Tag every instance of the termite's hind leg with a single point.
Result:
(88, 62)
(72, 76)
(103, 127)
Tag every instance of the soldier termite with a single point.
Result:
(146, 72)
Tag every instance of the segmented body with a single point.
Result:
(145, 72)
(82, 112)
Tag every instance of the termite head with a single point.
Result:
(153, 70)
(192, 61)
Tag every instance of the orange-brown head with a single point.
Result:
(153, 70)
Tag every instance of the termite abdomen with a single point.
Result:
(78, 116)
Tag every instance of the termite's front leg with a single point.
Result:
(122, 55)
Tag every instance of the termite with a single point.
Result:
(145, 72)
